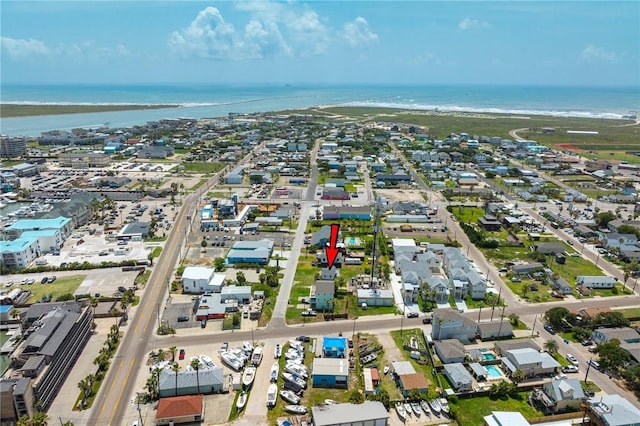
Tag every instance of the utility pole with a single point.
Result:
(139, 412)
(534, 325)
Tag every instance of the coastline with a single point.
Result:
(11, 110)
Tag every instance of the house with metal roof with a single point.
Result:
(259, 251)
(495, 330)
(330, 373)
(595, 281)
(562, 394)
(458, 376)
(613, 410)
(504, 418)
(190, 382)
(368, 413)
(448, 324)
(531, 362)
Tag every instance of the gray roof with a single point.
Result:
(330, 367)
(325, 287)
(136, 228)
(526, 267)
(477, 369)
(615, 410)
(564, 389)
(450, 348)
(402, 367)
(507, 345)
(458, 373)
(335, 414)
(489, 327)
(530, 356)
(51, 330)
(186, 379)
(253, 245)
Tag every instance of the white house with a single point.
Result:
(200, 280)
(531, 362)
(594, 281)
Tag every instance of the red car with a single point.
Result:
(181, 356)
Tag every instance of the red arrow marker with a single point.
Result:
(332, 250)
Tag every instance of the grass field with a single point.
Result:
(62, 285)
(471, 411)
(202, 167)
(9, 110)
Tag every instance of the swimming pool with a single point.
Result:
(488, 357)
(493, 371)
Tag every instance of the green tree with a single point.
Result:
(203, 243)
(161, 355)
(173, 351)
(195, 364)
(39, 419)
(603, 218)
(551, 346)
(241, 278)
(356, 397)
(219, 264)
(514, 319)
(557, 316)
(517, 376)
(611, 319)
(175, 367)
(611, 356)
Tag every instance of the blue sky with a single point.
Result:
(583, 43)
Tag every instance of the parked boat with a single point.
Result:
(231, 361)
(369, 358)
(414, 343)
(242, 401)
(277, 352)
(415, 406)
(444, 405)
(289, 396)
(240, 354)
(402, 413)
(256, 357)
(407, 408)
(272, 395)
(298, 370)
(385, 370)
(275, 369)
(330, 402)
(206, 361)
(425, 407)
(247, 347)
(295, 379)
(295, 409)
(248, 376)
(293, 354)
(435, 407)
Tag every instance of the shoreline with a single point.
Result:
(11, 110)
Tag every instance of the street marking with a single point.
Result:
(110, 389)
(124, 384)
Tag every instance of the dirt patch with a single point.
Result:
(401, 195)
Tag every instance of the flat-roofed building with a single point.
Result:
(368, 413)
(19, 252)
(330, 372)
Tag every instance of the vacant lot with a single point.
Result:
(62, 285)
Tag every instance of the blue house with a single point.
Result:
(330, 373)
(334, 347)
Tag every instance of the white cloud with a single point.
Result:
(593, 53)
(271, 30)
(358, 33)
(472, 24)
(22, 48)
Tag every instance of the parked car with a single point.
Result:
(412, 315)
(572, 359)
(181, 355)
(309, 313)
(183, 318)
(303, 339)
(569, 369)
(549, 329)
(426, 320)
(52, 278)
(121, 289)
(44, 280)
(586, 343)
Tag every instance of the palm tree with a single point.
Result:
(551, 346)
(175, 367)
(161, 355)
(173, 351)
(82, 385)
(195, 364)
(39, 419)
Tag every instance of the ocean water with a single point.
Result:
(200, 101)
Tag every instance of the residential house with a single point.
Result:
(449, 324)
(531, 362)
(549, 247)
(458, 376)
(591, 281)
(240, 293)
(412, 382)
(334, 347)
(495, 330)
(322, 294)
(562, 395)
(504, 418)
(526, 268)
(375, 297)
(489, 223)
(450, 351)
(612, 410)
(628, 337)
(615, 240)
(180, 409)
(503, 346)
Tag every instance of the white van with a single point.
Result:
(594, 364)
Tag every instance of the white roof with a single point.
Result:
(403, 242)
(197, 273)
(334, 414)
(330, 367)
(504, 418)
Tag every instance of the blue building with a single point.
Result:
(330, 372)
(251, 252)
(334, 347)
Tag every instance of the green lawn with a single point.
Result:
(399, 337)
(471, 411)
(467, 214)
(62, 285)
(202, 167)
(198, 184)
(631, 313)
